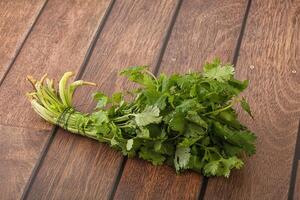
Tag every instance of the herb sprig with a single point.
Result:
(184, 120)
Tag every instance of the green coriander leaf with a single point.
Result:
(231, 150)
(165, 148)
(101, 100)
(218, 72)
(157, 146)
(230, 118)
(149, 116)
(129, 144)
(246, 106)
(194, 117)
(161, 102)
(141, 75)
(178, 122)
(205, 141)
(189, 105)
(239, 85)
(182, 157)
(242, 138)
(215, 63)
(187, 142)
(152, 156)
(135, 73)
(211, 168)
(192, 135)
(194, 91)
(101, 116)
(143, 133)
(117, 98)
(152, 95)
(168, 82)
(223, 166)
(113, 142)
(195, 163)
(102, 129)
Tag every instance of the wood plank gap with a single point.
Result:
(240, 38)
(294, 167)
(118, 178)
(167, 37)
(156, 70)
(94, 41)
(78, 76)
(234, 62)
(22, 44)
(203, 187)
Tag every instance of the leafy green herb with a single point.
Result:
(149, 116)
(184, 120)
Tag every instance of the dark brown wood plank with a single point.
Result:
(16, 20)
(269, 58)
(200, 33)
(80, 168)
(297, 185)
(18, 155)
(59, 41)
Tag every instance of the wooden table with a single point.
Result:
(95, 39)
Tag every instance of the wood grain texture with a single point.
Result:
(16, 19)
(297, 185)
(271, 45)
(142, 180)
(57, 43)
(18, 155)
(204, 30)
(200, 33)
(77, 167)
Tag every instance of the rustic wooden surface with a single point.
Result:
(20, 148)
(17, 18)
(270, 45)
(96, 39)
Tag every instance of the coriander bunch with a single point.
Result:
(184, 120)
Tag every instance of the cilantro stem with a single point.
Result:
(173, 138)
(218, 111)
(152, 75)
(209, 149)
(124, 126)
(234, 101)
(122, 118)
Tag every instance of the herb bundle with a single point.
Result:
(184, 120)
